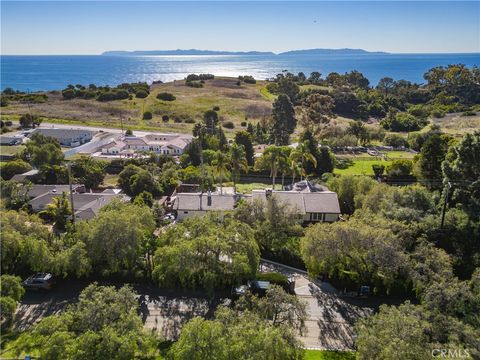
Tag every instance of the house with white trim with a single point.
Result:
(163, 144)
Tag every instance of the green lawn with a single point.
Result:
(360, 167)
(329, 355)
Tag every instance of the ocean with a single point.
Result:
(35, 73)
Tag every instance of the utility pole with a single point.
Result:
(71, 192)
(449, 185)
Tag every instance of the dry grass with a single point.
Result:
(236, 103)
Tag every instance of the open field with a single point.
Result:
(236, 103)
(360, 167)
(11, 150)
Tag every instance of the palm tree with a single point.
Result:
(294, 166)
(273, 154)
(239, 162)
(303, 156)
(58, 211)
(221, 163)
(283, 163)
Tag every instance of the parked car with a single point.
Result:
(39, 281)
(256, 287)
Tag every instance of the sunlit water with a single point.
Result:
(55, 72)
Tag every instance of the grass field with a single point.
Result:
(11, 150)
(247, 188)
(237, 104)
(360, 167)
(328, 355)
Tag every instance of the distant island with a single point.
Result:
(214, 52)
(182, 52)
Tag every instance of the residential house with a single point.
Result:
(314, 203)
(164, 144)
(86, 205)
(195, 204)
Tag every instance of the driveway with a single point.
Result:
(331, 317)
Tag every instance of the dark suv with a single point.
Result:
(39, 281)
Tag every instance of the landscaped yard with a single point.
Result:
(359, 166)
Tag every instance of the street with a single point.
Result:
(330, 316)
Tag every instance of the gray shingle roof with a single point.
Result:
(199, 201)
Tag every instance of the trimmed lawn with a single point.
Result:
(360, 167)
(395, 155)
(329, 355)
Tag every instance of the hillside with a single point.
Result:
(236, 103)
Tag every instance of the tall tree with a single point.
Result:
(316, 111)
(239, 162)
(244, 138)
(221, 165)
(462, 170)
(429, 164)
(283, 120)
(303, 156)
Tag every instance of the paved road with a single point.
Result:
(330, 316)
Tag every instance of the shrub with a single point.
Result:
(141, 94)
(399, 168)
(216, 108)
(395, 140)
(275, 278)
(438, 114)
(68, 94)
(189, 120)
(194, 84)
(147, 115)
(165, 118)
(177, 119)
(243, 124)
(469, 113)
(165, 96)
(228, 125)
(249, 79)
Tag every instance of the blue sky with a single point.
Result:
(83, 27)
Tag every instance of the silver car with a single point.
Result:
(39, 281)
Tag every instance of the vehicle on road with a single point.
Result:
(39, 281)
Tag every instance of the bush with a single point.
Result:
(165, 118)
(216, 108)
(165, 96)
(194, 84)
(400, 168)
(249, 79)
(469, 113)
(176, 119)
(68, 94)
(141, 94)
(189, 121)
(147, 115)
(274, 278)
(243, 124)
(228, 125)
(438, 113)
(395, 141)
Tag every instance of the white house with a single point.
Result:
(165, 144)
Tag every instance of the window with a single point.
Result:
(317, 217)
(185, 212)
